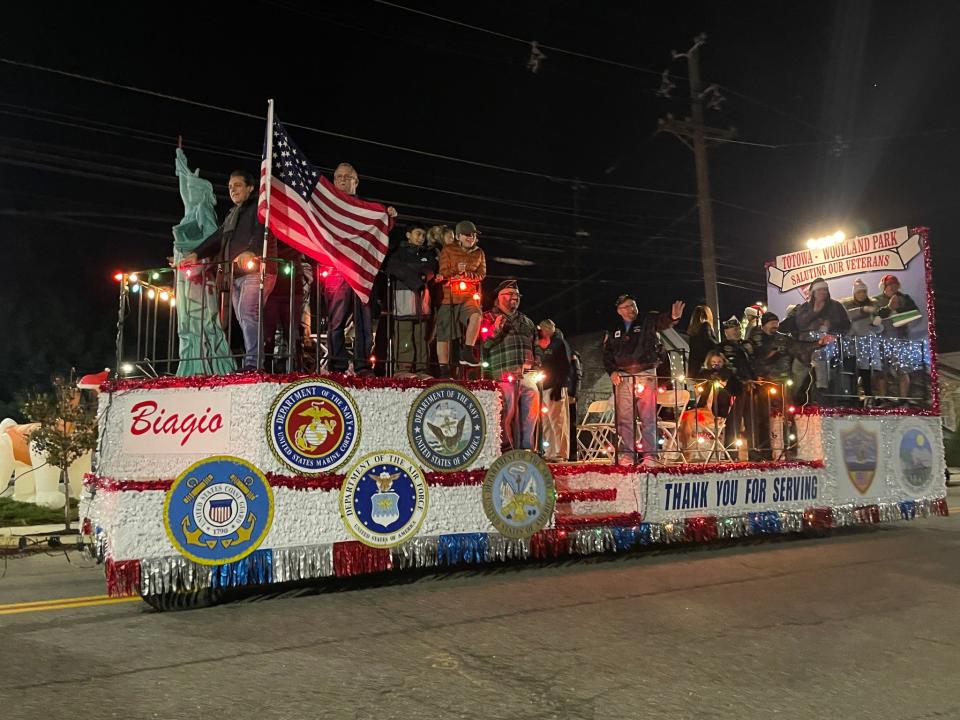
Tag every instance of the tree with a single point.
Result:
(68, 428)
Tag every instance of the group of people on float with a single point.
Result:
(429, 297)
(733, 375)
(431, 294)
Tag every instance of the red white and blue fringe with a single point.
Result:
(616, 533)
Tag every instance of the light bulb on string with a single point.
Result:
(151, 293)
(164, 295)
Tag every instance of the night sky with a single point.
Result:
(86, 168)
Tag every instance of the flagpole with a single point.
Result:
(265, 178)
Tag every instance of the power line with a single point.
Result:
(341, 136)
(524, 41)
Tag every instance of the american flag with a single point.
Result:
(308, 213)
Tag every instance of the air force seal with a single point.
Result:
(384, 499)
(446, 427)
(218, 510)
(519, 494)
(314, 426)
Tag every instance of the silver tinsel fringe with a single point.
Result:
(791, 521)
(417, 552)
(501, 549)
(172, 575)
(843, 515)
(302, 563)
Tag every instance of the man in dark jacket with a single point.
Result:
(237, 246)
(575, 380)
(815, 323)
(738, 363)
(410, 267)
(630, 355)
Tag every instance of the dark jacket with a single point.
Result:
(555, 362)
(412, 266)
(702, 341)
(804, 320)
(247, 236)
(770, 355)
(575, 378)
(737, 359)
(634, 349)
(718, 399)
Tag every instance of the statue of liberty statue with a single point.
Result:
(203, 345)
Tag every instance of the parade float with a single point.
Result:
(206, 483)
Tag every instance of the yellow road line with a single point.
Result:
(53, 601)
(63, 604)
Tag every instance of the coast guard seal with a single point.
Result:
(384, 499)
(218, 510)
(519, 494)
(446, 427)
(314, 426)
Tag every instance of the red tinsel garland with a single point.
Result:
(329, 482)
(548, 544)
(123, 577)
(581, 468)
(353, 382)
(702, 528)
(597, 494)
(924, 234)
(700, 469)
(568, 522)
(819, 518)
(355, 558)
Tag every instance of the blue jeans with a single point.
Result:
(246, 308)
(526, 415)
(631, 407)
(342, 302)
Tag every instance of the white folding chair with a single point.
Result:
(597, 433)
(669, 441)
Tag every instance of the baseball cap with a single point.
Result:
(465, 227)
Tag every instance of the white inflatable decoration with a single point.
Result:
(38, 481)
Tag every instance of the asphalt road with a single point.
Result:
(858, 625)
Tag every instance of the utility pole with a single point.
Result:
(694, 134)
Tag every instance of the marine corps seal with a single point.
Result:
(314, 426)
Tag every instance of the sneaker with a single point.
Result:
(469, 356)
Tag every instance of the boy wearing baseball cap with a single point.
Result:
(463, 267)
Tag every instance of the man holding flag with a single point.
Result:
(326, 221)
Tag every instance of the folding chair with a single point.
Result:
(597, 433)
(675, 401)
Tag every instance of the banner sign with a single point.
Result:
(867, 258)
(736, 492)
(887, 251)
(161, 423)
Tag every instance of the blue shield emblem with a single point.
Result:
(860, 449)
